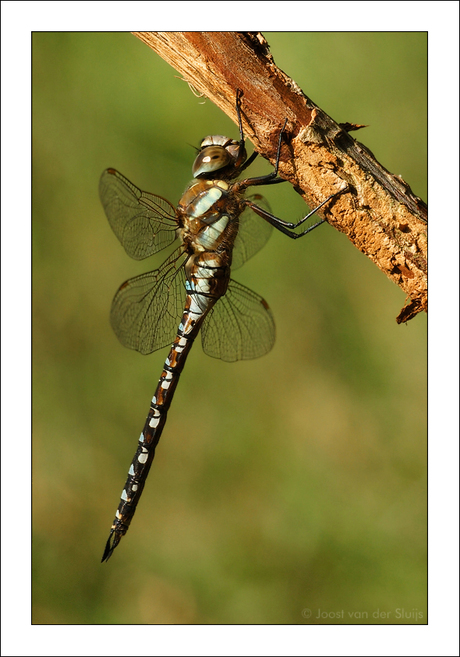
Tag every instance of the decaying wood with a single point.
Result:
(380, 214)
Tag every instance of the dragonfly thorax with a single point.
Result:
(208, 215)
(219, 154)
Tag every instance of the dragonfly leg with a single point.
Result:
(287, 227)
(269, 179)
(249, 161)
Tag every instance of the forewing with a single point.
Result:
(239, 327)
(253, 232)
(146, 309)
(144, 223)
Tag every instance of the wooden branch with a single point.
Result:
(380, 215)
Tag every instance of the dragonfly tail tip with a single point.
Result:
(110, 546)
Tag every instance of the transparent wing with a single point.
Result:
(144, 223)
(252, 233)
(146, 309)
(239, 327)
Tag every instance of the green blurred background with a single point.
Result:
(296, 481)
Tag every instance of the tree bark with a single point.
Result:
(379, 214)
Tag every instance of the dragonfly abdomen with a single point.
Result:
(195, 311)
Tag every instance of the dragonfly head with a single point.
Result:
(219, 154)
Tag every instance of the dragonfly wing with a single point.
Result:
(144, 223)
(146, 309)
(252, 233)
(239, 327)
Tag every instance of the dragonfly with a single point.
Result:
(192, 291)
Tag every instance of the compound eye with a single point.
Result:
(211, 158)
